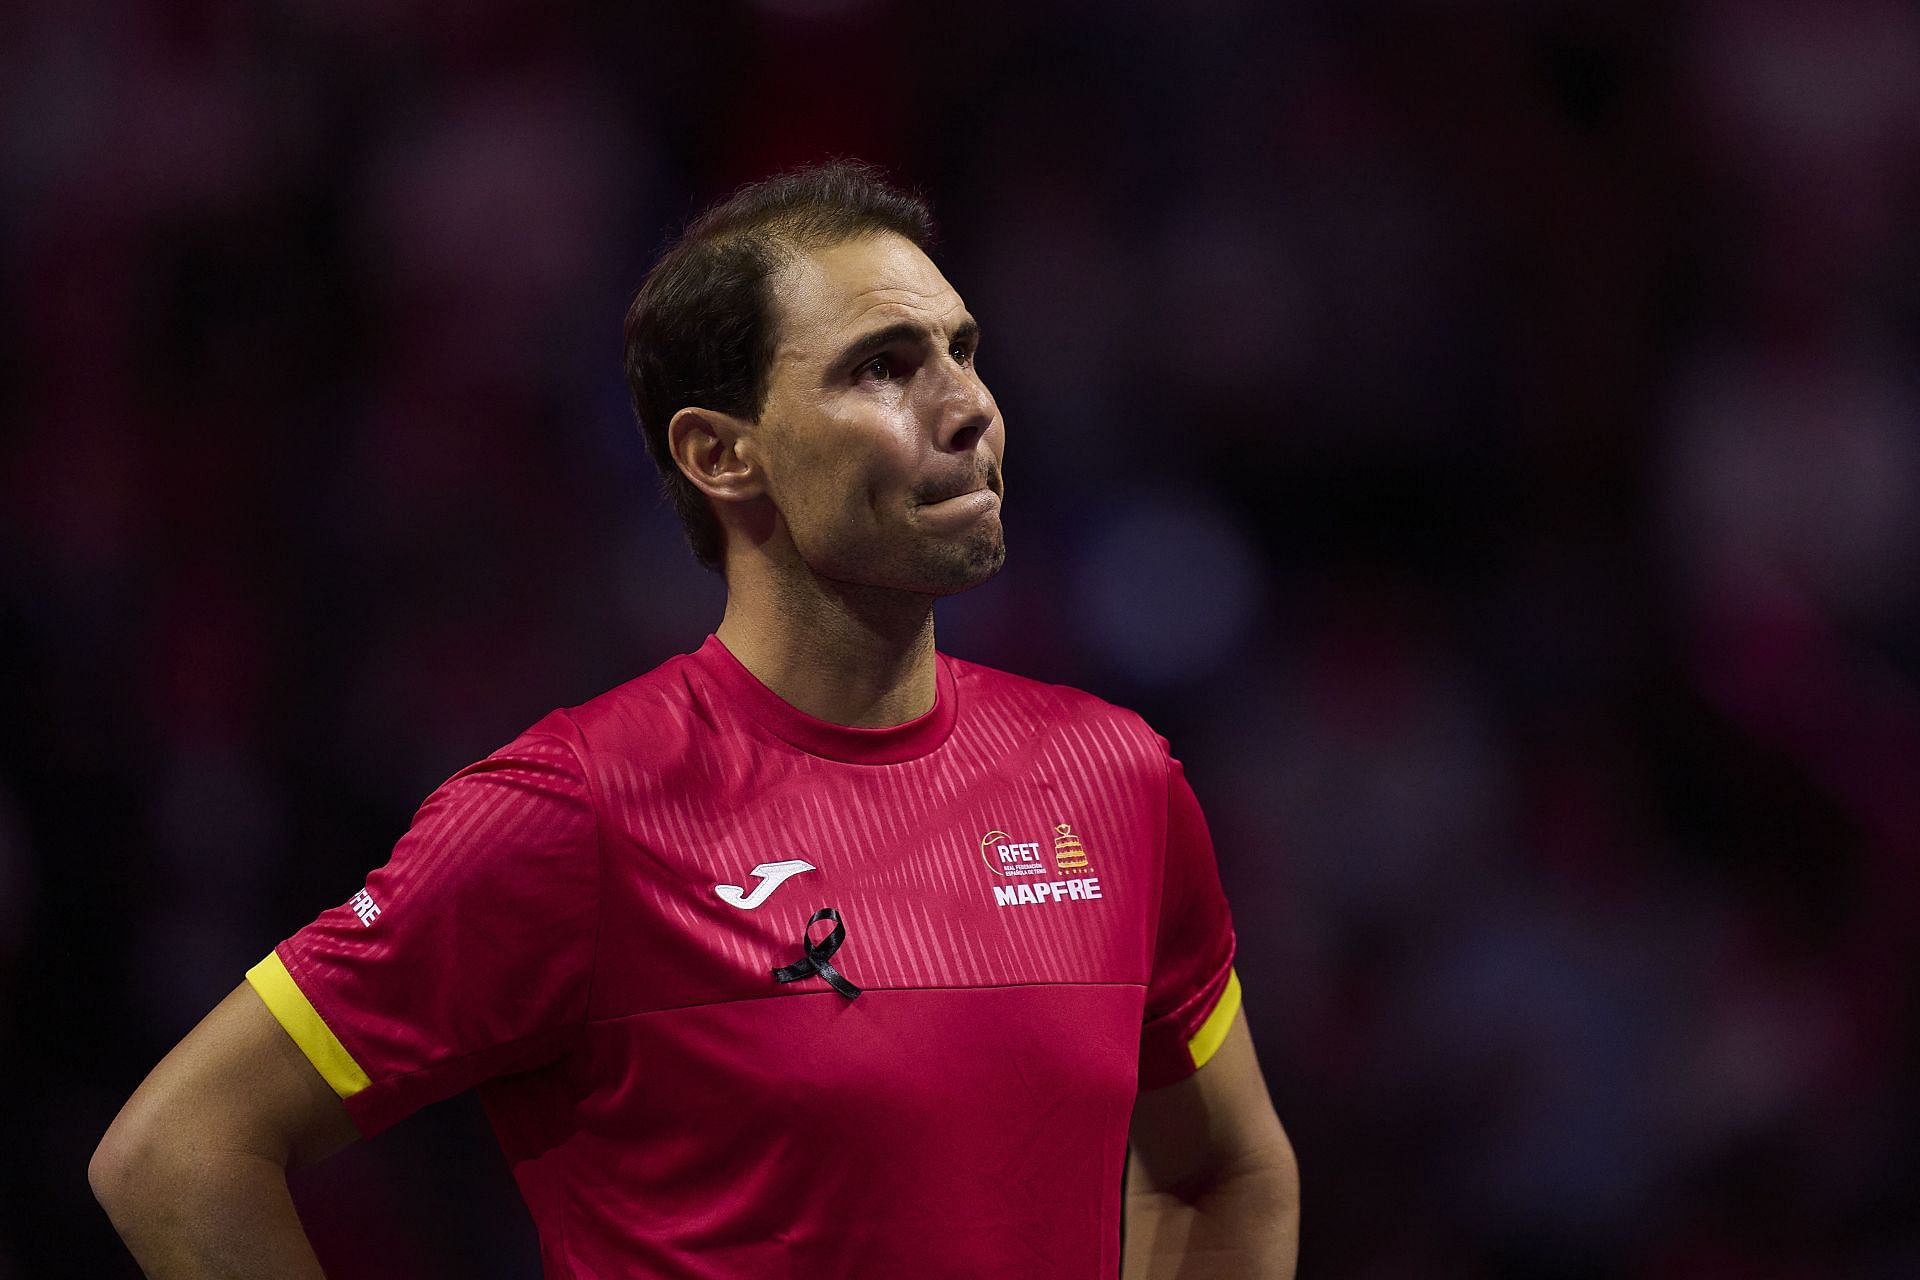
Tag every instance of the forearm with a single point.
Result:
(209, 1218)
(1244, 1226)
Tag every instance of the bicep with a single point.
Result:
(1217, 1121)
(237, 1083)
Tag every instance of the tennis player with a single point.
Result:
(814, 952)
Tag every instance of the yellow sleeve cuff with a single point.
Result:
(289, 1004)
(1213, 1032)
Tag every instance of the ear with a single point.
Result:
(716, 452)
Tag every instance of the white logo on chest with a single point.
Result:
(772, 876)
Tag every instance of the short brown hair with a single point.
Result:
(701, 330)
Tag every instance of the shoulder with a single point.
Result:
(1036, 706)
(650, 718)
(1005, 691)
(665, 691)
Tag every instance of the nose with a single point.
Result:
(966, 410)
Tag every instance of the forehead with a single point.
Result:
(826, 296)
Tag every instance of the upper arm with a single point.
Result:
(1217, 1121)
(236, 1084)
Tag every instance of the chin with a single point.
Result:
(951, 570)
(970, 567)
(933, 567)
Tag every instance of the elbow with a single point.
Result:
(1283, 1192)
(136, 1157)
(1271, 1167)
(113, 1172)
(1292, 1173)
(1290, 1202)
(1277, 1173)
(1282, 1172)
(1267, 1182)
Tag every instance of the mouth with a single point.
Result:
(955, 497)
(960, 509)
(989, 486)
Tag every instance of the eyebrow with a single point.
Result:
(967, 331)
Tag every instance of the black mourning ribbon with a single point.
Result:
(817, 953)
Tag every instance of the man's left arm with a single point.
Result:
(1213, 1192)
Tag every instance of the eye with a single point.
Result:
(880, 369)
(962, 353)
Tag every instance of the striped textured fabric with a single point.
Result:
(585, 927)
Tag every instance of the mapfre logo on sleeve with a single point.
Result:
(365, 907)
(1033, 881)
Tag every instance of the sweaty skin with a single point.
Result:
(837, 541)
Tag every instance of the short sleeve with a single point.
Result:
(1193, 992)
(468, 955)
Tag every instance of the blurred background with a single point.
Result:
(1482, 437)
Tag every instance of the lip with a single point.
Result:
(955, 497)
(962, 507)
(963, 493)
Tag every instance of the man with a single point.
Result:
(814, 952)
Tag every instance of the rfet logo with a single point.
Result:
(1009, 857)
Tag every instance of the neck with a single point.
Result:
(849, 655)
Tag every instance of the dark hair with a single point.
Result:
(701, 330)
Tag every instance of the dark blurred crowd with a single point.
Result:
(1483, 438)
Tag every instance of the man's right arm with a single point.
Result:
(193, 1171)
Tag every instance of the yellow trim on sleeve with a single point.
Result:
(288, 1003)
(1213, 1032)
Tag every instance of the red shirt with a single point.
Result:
(585, 926)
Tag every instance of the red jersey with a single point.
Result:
(604, 928)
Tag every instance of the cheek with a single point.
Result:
(874, 471)
(847, 475)
(836, 495)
